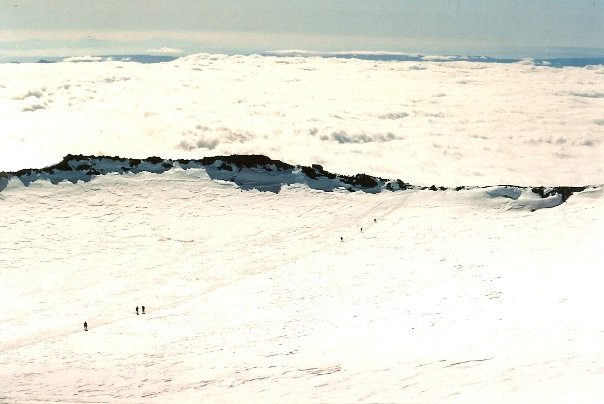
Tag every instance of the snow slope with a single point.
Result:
(447, 296)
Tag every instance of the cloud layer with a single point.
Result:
(166, 50)
(454, 123)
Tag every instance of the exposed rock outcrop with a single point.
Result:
(265, 174)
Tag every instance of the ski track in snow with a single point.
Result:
(252, 295)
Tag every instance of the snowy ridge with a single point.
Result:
(414, 57)
(264, 174)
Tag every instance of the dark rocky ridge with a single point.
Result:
(237, 169)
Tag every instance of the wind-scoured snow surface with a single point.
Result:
(330, 271)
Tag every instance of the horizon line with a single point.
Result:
(168, 54)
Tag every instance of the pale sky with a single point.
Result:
(490, 27)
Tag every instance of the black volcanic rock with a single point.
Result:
(365, 181)
(247, 160)
(154, 160)
(564, 191)
(64, 164)
(316, 171)
(311, 172)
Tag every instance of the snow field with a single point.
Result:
(448, 297)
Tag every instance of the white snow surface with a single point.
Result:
(251, 296)
(430, 296)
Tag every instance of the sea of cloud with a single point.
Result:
(426, 122)
(398, 296)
